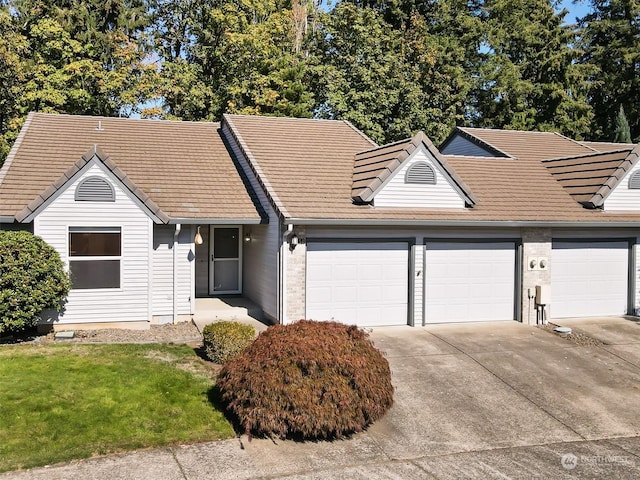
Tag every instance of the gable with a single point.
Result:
(625, 195)
(402, 190)
(104, 185)
(458, 145)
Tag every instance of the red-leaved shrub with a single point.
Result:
(307, 380)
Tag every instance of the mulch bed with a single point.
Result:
(185, 332)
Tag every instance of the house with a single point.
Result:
(312, 219)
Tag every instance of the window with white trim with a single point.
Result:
(95, 256)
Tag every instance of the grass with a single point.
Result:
(63, 402)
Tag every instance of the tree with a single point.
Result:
(622, 131)
(610, 38)
(224, 56)
(71, 56)
(393, 68)
(32, 279)
(528, 77)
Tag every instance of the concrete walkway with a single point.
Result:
(494, 400)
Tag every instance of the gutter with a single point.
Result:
(7, 219)
(461, 223)
(175, 271)
(217, 221)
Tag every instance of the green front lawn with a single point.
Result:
(61, 402)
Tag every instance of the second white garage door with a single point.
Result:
(589, 279)
(365, 284)
(469, 282)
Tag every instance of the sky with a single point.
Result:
(576, 9)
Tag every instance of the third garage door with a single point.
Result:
(467, 282)
(589, 279)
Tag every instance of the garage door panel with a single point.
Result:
(589, 278)
(468, 282)
(360, 283)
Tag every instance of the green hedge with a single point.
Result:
(223, 340)
(32, 279)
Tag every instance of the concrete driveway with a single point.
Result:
(493, 400)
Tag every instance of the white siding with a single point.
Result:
(397, 193)
(461, 146)
(128, 303)
(260, 256)
(162, 260)
(622, 197)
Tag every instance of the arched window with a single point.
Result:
(95, 189)
(634, 181)
(421, 173)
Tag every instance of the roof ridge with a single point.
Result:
(254, 165)
(585, 155)
(15, 147)
(275, 117)
(125, 119)
(575, 141)
(361, 133)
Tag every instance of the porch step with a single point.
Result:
(210, 310)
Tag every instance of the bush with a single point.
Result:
(32, 279)
(223, 340)
(307, 380)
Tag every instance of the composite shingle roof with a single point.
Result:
(183, 168)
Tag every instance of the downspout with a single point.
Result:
(175, 271)
(285, 240)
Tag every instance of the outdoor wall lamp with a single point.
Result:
(294, 240)
(198, 238)
(247, 237)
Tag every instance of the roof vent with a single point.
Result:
(421, 173)
(95, 189)
(634, 181)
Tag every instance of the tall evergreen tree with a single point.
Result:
(528, 77)
(622, 130)
(610, 38)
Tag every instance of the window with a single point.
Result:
(94, 257)
(634, 181)
(421, 173)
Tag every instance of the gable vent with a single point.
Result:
(634, 181)
(95, 189)
(421, 173)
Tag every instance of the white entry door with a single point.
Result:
(589, 279)
(225, 250)
(364, 284)
(469, 282)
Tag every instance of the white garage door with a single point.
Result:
(358, 283)
(469, 282)
(589, 279)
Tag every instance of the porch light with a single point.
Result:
(247, 237)
(294, 240)
(198, 238)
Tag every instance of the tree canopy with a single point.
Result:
(390, 67)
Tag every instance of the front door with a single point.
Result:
(225, 274)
